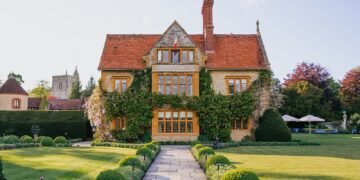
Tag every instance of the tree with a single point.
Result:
(89, 87)
(17, 77)
(310, 72)
(41, 91)
(350, 85)
(75, 90)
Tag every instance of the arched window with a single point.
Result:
(16, 103)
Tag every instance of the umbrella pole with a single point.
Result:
(309, 127)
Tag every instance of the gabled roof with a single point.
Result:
(11, 86)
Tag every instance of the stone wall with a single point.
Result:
(64, 91)
(6, 101)
(107, 77)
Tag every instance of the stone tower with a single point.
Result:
(62, 85)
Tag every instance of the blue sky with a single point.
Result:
(42, 38)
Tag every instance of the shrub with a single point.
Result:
(60, 140)
(47, 141)
(155, 142)
(131, 161)
(217, 159)
(146, 137)
(205, 151)
(38, 139)
(272, 128)
(193, 143)
(215, 172)
(198, 146)
(130, 174)
(24, 137)
(240, 174)
(144, 151)
(151, 146)
(110, 175)
(11, 139)
(27, 140)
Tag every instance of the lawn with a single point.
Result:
(61, 163)
(338, 157)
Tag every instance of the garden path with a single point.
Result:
(175, 162)
(82, 144)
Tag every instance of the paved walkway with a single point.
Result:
(175, 162)
(82, 144)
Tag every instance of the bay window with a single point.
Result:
(175, 122)
(174, 84)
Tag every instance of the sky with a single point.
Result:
(42, 38)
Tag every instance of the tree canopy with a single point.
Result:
(75, 90)
(17, 77)
(89, 87)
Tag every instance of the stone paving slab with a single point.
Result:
(175, 163)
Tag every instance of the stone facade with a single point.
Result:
(62, 85)
(108, 76)
(6, 102)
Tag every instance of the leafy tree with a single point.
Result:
(89, 87)
(310, 72)
(75, 90)
(17, 77)
(41, 91)
(350, 88)
(355, 122)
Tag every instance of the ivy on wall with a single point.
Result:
(215, 111)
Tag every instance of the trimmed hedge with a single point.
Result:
(47, 141)
(272, 128)
(131, 161)
(151, 146)
(115, 144)
(217, 159)
(240, 174)
(26, 139)
(39, 138)
(14, 146)
(110, 175)
(60, 140)
(198, 146)
(11, 139)
(51, 123)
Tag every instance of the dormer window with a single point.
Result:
(175, 56)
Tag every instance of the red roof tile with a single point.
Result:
(11, 86)
(230, 51)
(65, 104)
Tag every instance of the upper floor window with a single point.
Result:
(237, 84)
(175, 84)
(175, 56)
(16, 103)
(120, 84)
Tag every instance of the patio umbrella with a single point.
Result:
(288, 118)
(311, 118)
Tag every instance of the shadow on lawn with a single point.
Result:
(274, 175)
(15, 171)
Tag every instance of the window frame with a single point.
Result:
(121, 79)
(170, 59)
(163, 129)
(173, 84)
(119, 123)
(235, 78)
(16, 103)
(240, 124)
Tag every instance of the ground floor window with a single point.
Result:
(119, 123)
(175, 122)
(240, 124)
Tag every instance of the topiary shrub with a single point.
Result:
(193, 143)
(144, 151)
(47, 141)
(205, 151)
(11, 139)
(131, 161)
(215, 172)
(198, 146)
(239, 174)
(38, 139)
(22, 139)
(272, 128)
(60, 140)
(151, 146)
(217, 159)
(110, 175)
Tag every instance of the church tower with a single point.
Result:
(62, 85)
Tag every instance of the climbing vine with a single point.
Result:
(215, 111)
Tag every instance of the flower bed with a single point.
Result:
(132, 167)
(217, 166)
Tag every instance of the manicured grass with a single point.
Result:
(337, 157)
(61, 163)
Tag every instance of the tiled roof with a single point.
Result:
(11, 86)
(34, 102)
(125, 52)
(65, 104)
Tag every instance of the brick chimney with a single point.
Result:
(208, 27)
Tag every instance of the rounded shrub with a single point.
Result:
(198, 146)
(217, 159)
(27, 140)
(60, 140)
(205, 151)
(155, 142)
(144, 151)
(24, 137)
(193, 143)
(110, 175)
(11, 139)
(151, 146)
(272, 128)
(239, 174)
(38, 139)
(47, 141)
(131, 161)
